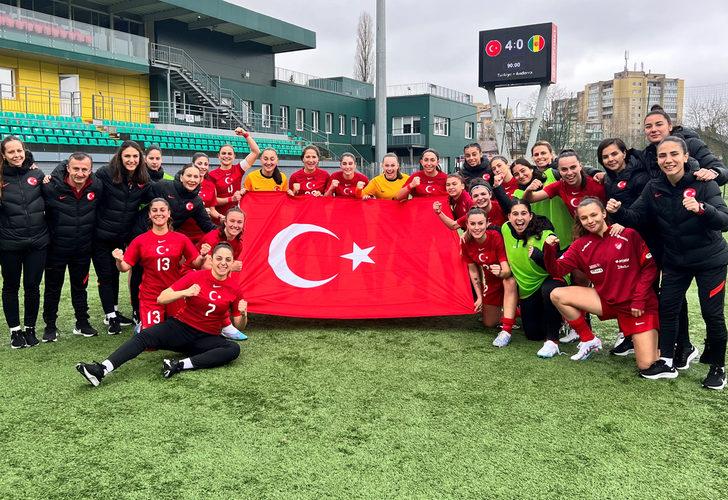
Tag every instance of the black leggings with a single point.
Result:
(29, 264)
(711, 293)
(55, 274)
(107, 273)
(540, 318)
(204, 350)
(135, 281)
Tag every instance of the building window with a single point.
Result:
(284, 117)
(354, 123)
(468, 130)
(445, 163)
(441, 125)
(299, 119)
(315, 119)
(7, 83)
(405, 125)
(329, 123)
(342, 125)
(247, 109)
(265, 111)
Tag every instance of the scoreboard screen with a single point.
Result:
(522, 55)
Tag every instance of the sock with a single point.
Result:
(230, 329)
(186, 364)
(15, 329)
(116, 307)
(108, 367)
(507, 324)
(582, 328)
(111, 315)
(668, 361)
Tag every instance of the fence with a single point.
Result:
(39, 101)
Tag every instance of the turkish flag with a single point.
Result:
(313, 257)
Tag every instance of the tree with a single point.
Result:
(364, 57)
(708, 113)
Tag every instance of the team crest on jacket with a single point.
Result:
(486, 177)
(32, 181)
(689, 193)
(618, 246)
(622, 184)
(90, 196)
(189, 205)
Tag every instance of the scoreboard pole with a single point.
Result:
(499, 122)
(538, 116)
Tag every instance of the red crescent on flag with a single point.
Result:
(493, 48)
(622, 184)
(689, 193)
(32, 181)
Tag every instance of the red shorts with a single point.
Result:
(493, 292)
(628, 324)
(151, 313)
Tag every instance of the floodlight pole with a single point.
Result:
(380, 117)
(499, 122)
(540, 103)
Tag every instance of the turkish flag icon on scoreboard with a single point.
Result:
(345, 258)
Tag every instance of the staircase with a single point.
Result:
(189, 77)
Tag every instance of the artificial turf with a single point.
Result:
(416, 408)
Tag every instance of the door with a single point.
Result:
(70, 95)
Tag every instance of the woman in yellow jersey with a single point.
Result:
(269, 177)
(387, 184)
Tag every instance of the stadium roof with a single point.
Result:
(223, 17)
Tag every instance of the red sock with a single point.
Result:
(507, 324)
(582, 328)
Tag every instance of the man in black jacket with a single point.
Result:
(71, 194)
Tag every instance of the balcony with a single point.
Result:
(29, 31)
(409, 140)
(431, 89)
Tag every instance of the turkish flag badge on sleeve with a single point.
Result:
(345, 258)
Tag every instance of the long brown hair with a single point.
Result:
(116, 165)
(579, 230)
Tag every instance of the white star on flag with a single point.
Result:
(358, 255)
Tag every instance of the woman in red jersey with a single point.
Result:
(347, 181)
(228, 177)
(481, 194)
(159, 251)
(503, 175)
(495, 289)
(428, 181)
(231, 232)
(209, 299)
(310, 179)
(622, 271)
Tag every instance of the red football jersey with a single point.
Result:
(208, 192)
(213, 238)
(226, 183)
(429, 186)
(160, 258)
(491, 251)
(621, 268)
(495, 216)
(461, 206)
(315, 181)
(346, 187)
(510, 187)
(210, 310)
(572, 195)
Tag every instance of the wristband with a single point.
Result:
(702, 209)
(245, 135)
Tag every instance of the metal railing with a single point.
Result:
(36, 28)
(428, 88)
(322, 83)
(407, 140)
(23, 99)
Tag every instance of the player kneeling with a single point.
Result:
(495, 289)
(622, 270)
(211, 297)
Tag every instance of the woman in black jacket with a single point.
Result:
(689, 215)
(23, 239)
(72, 194)
(126, 186)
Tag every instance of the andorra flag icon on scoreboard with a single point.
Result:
(536, 43)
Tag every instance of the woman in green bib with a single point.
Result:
(554, 209)
(524, 234)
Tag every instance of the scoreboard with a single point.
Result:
(521, 55)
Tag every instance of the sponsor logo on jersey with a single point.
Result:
(586, 246)
(596, 270)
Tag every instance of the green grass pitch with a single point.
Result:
(416, 408)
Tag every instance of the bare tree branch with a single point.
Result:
(364, 57)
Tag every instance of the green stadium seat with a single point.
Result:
(62, 140)
(93, 142)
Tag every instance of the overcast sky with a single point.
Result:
(435, 41)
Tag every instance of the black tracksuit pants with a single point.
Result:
(540, 319)
(55, 273)
(204, 350)
(29, 265)
(135, 282)
(107, 273)
(711, 293)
